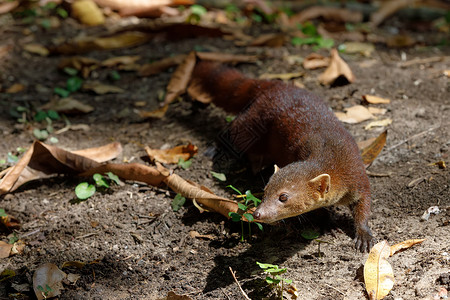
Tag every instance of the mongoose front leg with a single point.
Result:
(364, 239)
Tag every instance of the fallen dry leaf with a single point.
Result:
(156, 114)
(180, 78)
(337, 68)
(379, 123)
(315, 61)
(404, 245)
(43, 161)
(9, 223)
(365, 49)
(354, 114)
(5, 249)
(378, 274)
(18, 247)
(15, 88)
(36, 49)
(161, 65)
(91, 43)
(269, 40)
(195, 234)
(87, 12)
(446, 73)
(370, 152)
(386, 9)
(440, 164)
(68, 106)
(284, 76)
(196, 92)
(327, 12)
(142, 8)
(172, 155)
(377, 110)
(120, 60)
(47, 281)
(6, 7)
(375, 99)
(101, 89)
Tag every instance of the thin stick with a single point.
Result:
(411, 137)
(332, 287)
(237, 282)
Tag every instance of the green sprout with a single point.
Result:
(248, 201)
(274, 278)
(312, 37)
(84, 190)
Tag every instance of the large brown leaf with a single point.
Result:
(42, 161)
(180, 78)
(371, 152)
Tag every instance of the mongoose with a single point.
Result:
(319, 159)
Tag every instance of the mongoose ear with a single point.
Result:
(276, 169)
(321, 184)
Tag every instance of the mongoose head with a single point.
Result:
(293, 190)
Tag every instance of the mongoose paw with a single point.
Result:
(364, 240)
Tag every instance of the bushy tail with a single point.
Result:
(228, 88)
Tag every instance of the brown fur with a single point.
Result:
(296, 130)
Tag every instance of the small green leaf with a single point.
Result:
(3, 213)
(114, 75)
(219, 176)
(21, 149)
(259, 226)
(309, 29)
(242, 206)
(288, 281)
(185, 164)
(234, 216)
(198, 10)
(52, 114)
(100, 180)
(53, 140)
(62, 12)
(74, 84)
(234, 189)
(309, 234)
(40, 134)
(230, 119)
(251, 197)
(70, 71)
(61, 92)
(12, 158)
(271, 280)
(297, 41)
(266, 266)
(325, 43)
(257, 18)
(114, 177)
(84, 190)
(13, 238)
(249, 217)
(40, 116)
(2, 161)
(46, 23)
(178, 202)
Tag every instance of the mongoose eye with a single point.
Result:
(283, 197)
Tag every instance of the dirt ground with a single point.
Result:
(142, 249)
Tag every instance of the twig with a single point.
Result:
(86, 235)
(332, 287)
(237, 282)
(411, 137)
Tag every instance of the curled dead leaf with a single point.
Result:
(327, 12)
(283, 76)
(269, 40)
(173, 155)
(377, 110)
(161, 65)
(15, 88)
(180, 78)
(227, 57)
(379, 123)
(404, 245)
(120, 60)
(378, 274)
(370, 152)
(315, 61)
(5, 249)
(338, 68)
(354, 114)
(156, 114)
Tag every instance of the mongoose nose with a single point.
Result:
(256, 215)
